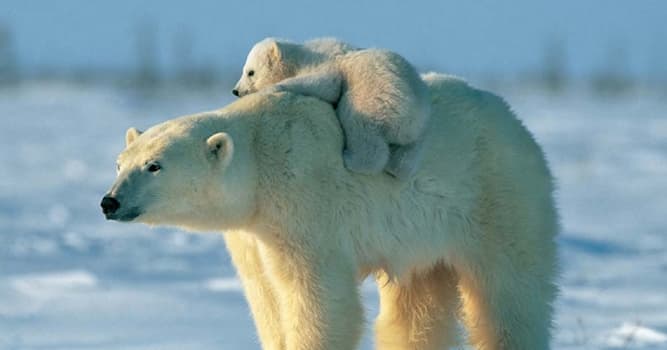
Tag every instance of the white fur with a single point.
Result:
(470, 235)
(331, 47)
(382, 103)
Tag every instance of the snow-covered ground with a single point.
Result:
(71, 280)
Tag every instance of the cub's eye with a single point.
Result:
(153, 167)
(117, 167)
(251, 73)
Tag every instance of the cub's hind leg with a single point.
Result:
(366, 150)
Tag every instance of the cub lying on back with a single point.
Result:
(382, 103)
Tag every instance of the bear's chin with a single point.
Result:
(125, 216)
(177, 221)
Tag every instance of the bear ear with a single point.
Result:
(130, 135)
(220, 148)
(275, 52)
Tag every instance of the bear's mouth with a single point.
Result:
(126, 215)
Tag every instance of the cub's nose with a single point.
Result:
(235, 92)
(109, 205)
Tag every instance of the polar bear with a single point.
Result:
(470, 236)
(381, 101)
(328, 46)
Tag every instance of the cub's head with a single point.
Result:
(269, 62)
(182, 174)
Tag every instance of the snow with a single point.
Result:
(627, 333)
(48, 285)
(71, 280)
(224, 285)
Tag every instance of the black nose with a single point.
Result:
(109, 205)
(235, 92)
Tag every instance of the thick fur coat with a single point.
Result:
(470, 235)
(382, 103)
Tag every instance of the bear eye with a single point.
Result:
(117, 167)
(251, 73)
(153, 167)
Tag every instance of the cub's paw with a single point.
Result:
(364, 163)
(401, 170)
(403, 161)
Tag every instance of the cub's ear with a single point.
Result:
(130, 135)
(220, 148)
(275, 52)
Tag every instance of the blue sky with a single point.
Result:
(460, 37)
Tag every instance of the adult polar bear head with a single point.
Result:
(200, 172)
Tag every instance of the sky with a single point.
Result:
(457, 36)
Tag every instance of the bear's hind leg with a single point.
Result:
(503, 311)
(420, 315)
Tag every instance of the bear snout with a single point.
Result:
(109, 205)
(235, 92)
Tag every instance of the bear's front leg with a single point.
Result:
(245, 251)
(320, 307)
(325, 85)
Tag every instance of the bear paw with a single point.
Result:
(403, 161)
(363, 163)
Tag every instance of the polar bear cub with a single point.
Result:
(382, 103)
